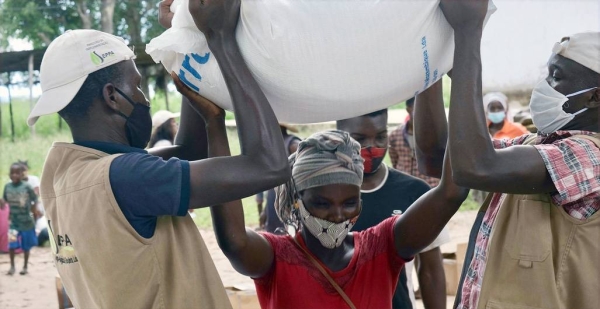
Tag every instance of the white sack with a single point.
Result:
(320, 60)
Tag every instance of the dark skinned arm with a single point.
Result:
(249, 253)
(431, 130)
(435, 207)
(475, 162)
(190, 142)
(263, 161)
(432, 279)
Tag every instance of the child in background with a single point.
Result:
(23, 202)
(41, 223)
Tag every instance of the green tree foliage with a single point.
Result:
(40, 21)
(137, 20)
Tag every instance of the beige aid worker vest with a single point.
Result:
(102, 260)
(541, 257)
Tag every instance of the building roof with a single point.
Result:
(19, 61)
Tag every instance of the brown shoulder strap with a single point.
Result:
(486, 202)
(324, 272)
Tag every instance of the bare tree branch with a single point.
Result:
(44, 38)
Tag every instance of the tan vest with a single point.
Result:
(541, 257)
(102, 260)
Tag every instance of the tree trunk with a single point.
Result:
(107, 10)
(134, 22)
(82, 10)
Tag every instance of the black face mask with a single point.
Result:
(138, 124)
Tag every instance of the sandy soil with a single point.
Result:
(37, 289)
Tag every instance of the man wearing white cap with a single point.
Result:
(536, 242)
(495, 105)
(117, 215)
(164, 128)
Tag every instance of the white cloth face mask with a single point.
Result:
(330, 234)
(547, 107)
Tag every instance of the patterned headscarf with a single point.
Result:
(328, 157)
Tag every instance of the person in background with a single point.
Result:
(403, 154)
(41, 223)
(402, 148)
(32, 180)
(386, 191)
(23, 202)
(268, 217)
(495, 105)
(165, 128)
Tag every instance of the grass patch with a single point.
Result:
(469, 204)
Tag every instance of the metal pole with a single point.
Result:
(10, 110)
(30, 66)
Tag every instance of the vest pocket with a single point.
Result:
(529, 234)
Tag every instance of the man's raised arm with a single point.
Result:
(263, 162)
(475, 162)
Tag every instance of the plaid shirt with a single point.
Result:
(573, 165)
(403, 157)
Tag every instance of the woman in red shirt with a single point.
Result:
(321, 203)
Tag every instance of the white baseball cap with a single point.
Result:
(162, 116)
(583, 48)
(68, 61)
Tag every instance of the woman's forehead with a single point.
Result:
(332, 191)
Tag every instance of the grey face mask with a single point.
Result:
(330, 234)
(547, 107)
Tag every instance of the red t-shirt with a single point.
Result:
(369, 279)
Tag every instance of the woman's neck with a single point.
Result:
(335, 259)
(495, 127)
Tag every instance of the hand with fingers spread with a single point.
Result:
(165, 16)
(215, 18)
(465, 14)
(206, 108)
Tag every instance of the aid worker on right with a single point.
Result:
(537, 243)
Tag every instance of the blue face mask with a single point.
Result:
(496, 117)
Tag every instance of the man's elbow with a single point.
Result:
(232, 247)
(468, 178)
(430, 166)
(278, 173)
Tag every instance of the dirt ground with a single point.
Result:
(37, 289)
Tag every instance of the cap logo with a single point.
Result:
(98, 59)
